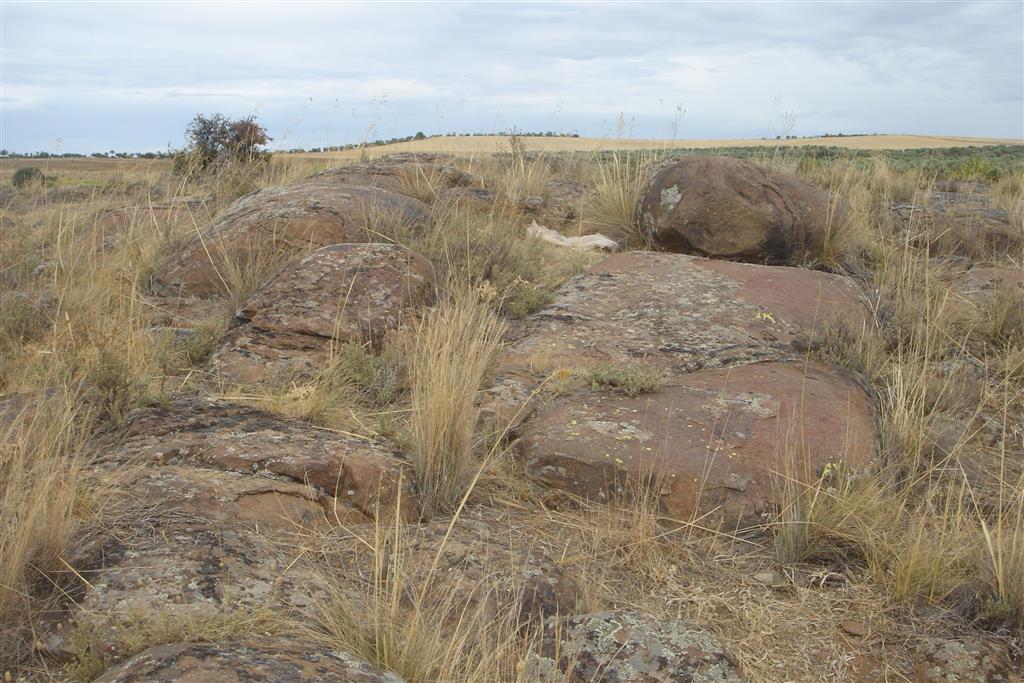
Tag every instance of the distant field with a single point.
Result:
(486, 144)
(99, 170)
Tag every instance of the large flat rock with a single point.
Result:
(715, 445)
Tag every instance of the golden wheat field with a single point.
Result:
(256, 417)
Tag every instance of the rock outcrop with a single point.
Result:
(740, 408)
(337, 294)
(962, 225)
(354, 479)
(274, 222)
(223, 490)
(714, 445)
(613, 647)
(399, 172)
(244, 661)
(731, 209)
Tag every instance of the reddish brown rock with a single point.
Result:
(244, 661)
(402, 173)
(614, 647)
(715, 444)
(728, 208)
(356, 474)
(965, 226)
(486, 561)
(115, 226)
(276, 221)
(338, 294)
(222, 493)
(980, 283)
(675, 313)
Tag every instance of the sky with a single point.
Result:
(129, 76)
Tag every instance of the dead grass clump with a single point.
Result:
(450, 354)
(618, 185)
(408, 618)
(41, 450)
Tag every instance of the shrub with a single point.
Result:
(629, 379)
(217, 140)
(27, 175)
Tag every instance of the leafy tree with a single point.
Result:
(215, 140)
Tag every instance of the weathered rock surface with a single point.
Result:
(615, 647)
(981, 283)
(944, 660)
(223, 490)
(964, 225)
(168, 569)
(340, 293)
(561, 203)
(356, 475)
(244, 661)
(728, 208)
(481, 561)
(467, 196)
(278, 220)
(114, 226)
(716, 444)
(398, 172)
(675, 313)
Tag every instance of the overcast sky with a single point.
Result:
(129, 76)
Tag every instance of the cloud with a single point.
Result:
(320, 74)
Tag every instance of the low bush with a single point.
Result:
(28, 175)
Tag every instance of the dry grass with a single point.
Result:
(926, 529)
(449, 358)
(617, 185)
(41, 444)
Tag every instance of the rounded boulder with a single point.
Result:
(731, 209)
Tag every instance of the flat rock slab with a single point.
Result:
(971, 660)
(337, 294)
(615, 647)
(683, 313)
(166, 569)
(281, 220)
(714, 445)
(396, 172)
(729, 208)
(244, 661)
(357, 475)
(675, 313)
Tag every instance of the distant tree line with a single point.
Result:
(170, 154)
(75, 155)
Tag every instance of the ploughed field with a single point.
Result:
(377, 422)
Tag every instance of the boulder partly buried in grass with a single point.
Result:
(262, 229)
(338, 294)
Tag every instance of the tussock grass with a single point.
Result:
(40, 447)
(409, 618)
(450, 354)
(618, 184)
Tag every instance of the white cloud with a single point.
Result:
(326, 73)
